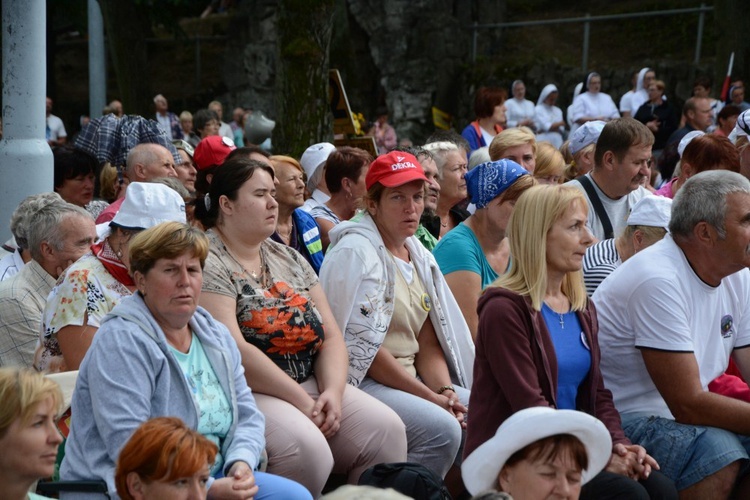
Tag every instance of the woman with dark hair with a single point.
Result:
(489, 109)
(658, 115)
(726, 120)
(538, 454)
(345, 173)
(293, 352)
(75, 178)
(383, 132)
(206, 123)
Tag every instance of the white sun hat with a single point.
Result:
(481, 469)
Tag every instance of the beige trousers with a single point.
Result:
(370, 433)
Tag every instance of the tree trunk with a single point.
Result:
(732, 21)
(303, 116)
(127, 26)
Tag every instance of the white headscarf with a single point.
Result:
(546, 91)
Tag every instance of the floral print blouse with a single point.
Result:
(82, 296)
(277, 316)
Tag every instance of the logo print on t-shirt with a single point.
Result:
(727, 326)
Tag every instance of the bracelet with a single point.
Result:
(446, 388)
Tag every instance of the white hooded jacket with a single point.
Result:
(358, 278)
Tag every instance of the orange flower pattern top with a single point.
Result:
(280, 319)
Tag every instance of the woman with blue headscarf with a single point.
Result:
(476, 252)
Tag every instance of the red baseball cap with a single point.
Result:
(212, 151)
(394, 169)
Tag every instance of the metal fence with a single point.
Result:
(588, 19)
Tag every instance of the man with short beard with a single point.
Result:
(621, 161)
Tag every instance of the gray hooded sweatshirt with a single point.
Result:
(129, 375)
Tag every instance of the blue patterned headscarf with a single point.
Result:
(489, 180)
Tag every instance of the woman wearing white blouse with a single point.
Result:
(593, 104)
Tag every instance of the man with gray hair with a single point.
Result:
(11, 264)
(58, 234)
(669, 319)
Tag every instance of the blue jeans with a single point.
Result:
(271, 486)
(687, 454)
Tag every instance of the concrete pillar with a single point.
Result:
(25, 158)
(97, 62)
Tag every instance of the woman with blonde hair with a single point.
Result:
(517, 144)
(164, 458)
(295, 228)
(28, 435)
(547, 353)
(550, 164)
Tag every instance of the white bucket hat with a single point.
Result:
(586, 134)
(686, 140)
(315, 156)
(652, 211)
(146, 204)
(481, 469)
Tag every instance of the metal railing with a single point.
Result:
(588, 19)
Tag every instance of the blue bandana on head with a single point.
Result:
(488, 180)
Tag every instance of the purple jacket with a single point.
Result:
(516, 367)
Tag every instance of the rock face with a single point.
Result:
(250, 57)
(419, 48)
(411, 55)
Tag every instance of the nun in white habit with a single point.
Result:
(519, 111)
(569, 112)
(640, 96)
(593, 104)
(548, 118)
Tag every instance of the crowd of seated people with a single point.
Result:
(316, 315)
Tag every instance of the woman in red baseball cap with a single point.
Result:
(408, 343)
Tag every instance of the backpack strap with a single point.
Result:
(588, 186)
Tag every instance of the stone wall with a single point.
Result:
(414, 54)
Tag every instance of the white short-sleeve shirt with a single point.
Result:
(655, 300)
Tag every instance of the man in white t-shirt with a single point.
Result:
(55, 130)
(669, 318)
(621, 161)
